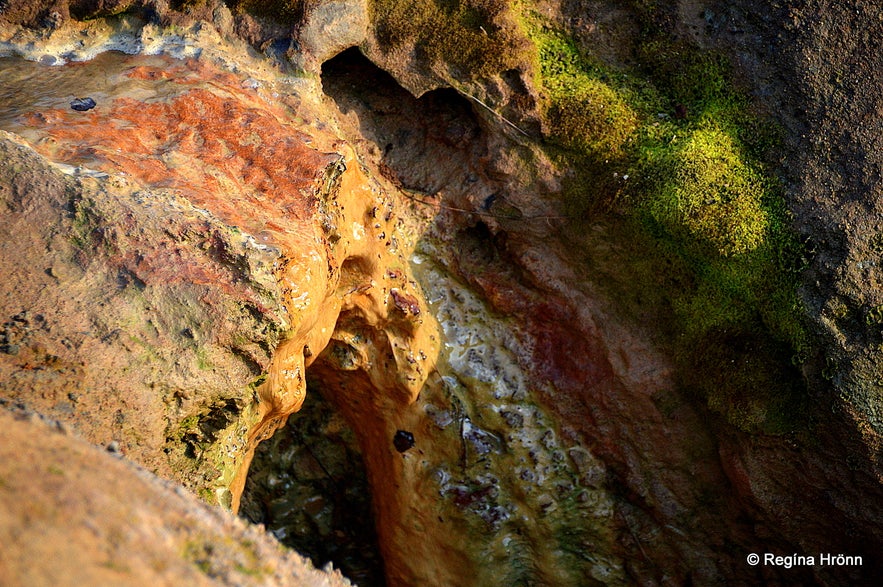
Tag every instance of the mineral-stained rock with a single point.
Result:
(221, 250)
(130, 335)
(179, 255)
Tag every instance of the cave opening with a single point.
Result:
(423, 144)
(308, 486)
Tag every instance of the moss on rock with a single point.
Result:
(285, 11)
(475, 38)
(709, 196)
(676, 151)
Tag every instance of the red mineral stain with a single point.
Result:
(220, 146)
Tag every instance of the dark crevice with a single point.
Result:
(203, 431)
(425, 144)
(308, 486)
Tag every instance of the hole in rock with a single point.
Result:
(307, 485)
(425, 143)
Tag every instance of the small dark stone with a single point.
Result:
(405, 303)
(83, 104)
(113, 447)
(403, 440)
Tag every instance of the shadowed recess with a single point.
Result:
(308, 486)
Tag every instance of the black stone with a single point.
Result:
(403, 440)
(83, 104)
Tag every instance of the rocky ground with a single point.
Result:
(230, 221)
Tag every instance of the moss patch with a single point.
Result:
(584, 112)
(213, 441)
(708, 197)
(285, 11)
(676, 153)
(474, 38)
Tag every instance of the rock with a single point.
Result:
(403, 440)
(330, 28)
(83, 104)
(238, 230)
(143, 533)
(201, 273)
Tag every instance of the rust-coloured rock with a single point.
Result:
(214, 145)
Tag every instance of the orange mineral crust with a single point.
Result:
(224, 148)
(191, 149)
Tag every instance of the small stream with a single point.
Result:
(29, 88)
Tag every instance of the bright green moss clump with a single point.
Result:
(708, 196)
(584, 113)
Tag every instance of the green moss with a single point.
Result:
(708, 196)
(475, 38)
(675, 151)
(584, 112)
(203, 362)
(85, 222)
(592, 118)
(255, 385)
(200, 553)
(213, 556)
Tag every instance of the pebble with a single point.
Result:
(83, 104)
(403, 440)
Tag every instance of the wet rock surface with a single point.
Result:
(213, 227)
(108, 337)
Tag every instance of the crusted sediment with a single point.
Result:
(357, 275)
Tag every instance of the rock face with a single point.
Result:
(181, 283)
(100, 520)
(221, 228)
